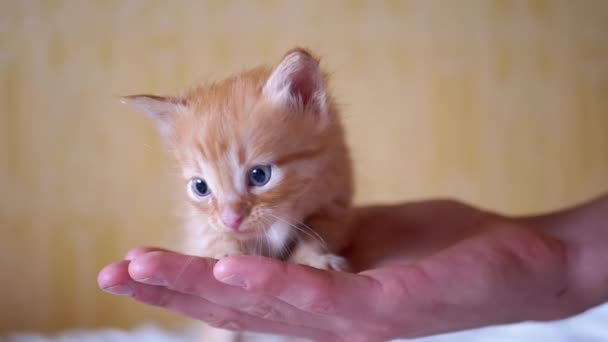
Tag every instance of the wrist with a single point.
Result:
(583, 230)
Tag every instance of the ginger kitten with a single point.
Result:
(265, 161)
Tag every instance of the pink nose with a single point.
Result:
(232, 219)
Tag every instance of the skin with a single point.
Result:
(423, 268)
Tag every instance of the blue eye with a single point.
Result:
(199, 187)
(259, 175)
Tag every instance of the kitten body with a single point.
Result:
(284, 120)
(265, 163)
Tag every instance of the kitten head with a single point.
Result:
(262, 146)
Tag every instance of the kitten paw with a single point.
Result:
(227, 254)
(329, 262)
(219, 254)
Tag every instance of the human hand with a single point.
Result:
(432, 267)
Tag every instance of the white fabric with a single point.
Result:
(591, 326)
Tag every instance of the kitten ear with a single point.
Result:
(298, 83)
(161, 109)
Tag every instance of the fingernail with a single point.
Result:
(153, 281)
(121, 290)
(234, 280)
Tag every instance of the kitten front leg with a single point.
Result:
(312, 253)
(223, 247)
(335, 230)
(215, 247)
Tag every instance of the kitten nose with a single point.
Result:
(232, 219)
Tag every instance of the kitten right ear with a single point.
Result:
(298, 83)
(161, 109)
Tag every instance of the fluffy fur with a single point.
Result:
(283, 117)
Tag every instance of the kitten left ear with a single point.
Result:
(298, 83)
(161, 109)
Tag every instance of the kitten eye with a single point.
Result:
(199, 187)
(259, 175)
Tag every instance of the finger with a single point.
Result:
(309, 289)
(168, 269)
(220, 316)
(194, 275)
(116, 276)
(135, 252)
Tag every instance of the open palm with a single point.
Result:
(423, 268)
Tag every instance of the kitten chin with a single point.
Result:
(280, 240)
(262, 150)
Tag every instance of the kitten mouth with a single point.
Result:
(246, 231)
(246, 234)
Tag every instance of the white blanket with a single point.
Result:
(591, 326)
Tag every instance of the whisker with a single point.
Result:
(262, 238)
(306, 228)
(302, 227)
(258, 248)
(266, 241)
(287, 249)
(267, 244)
(269, 250)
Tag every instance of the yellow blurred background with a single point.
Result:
(500, 103)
